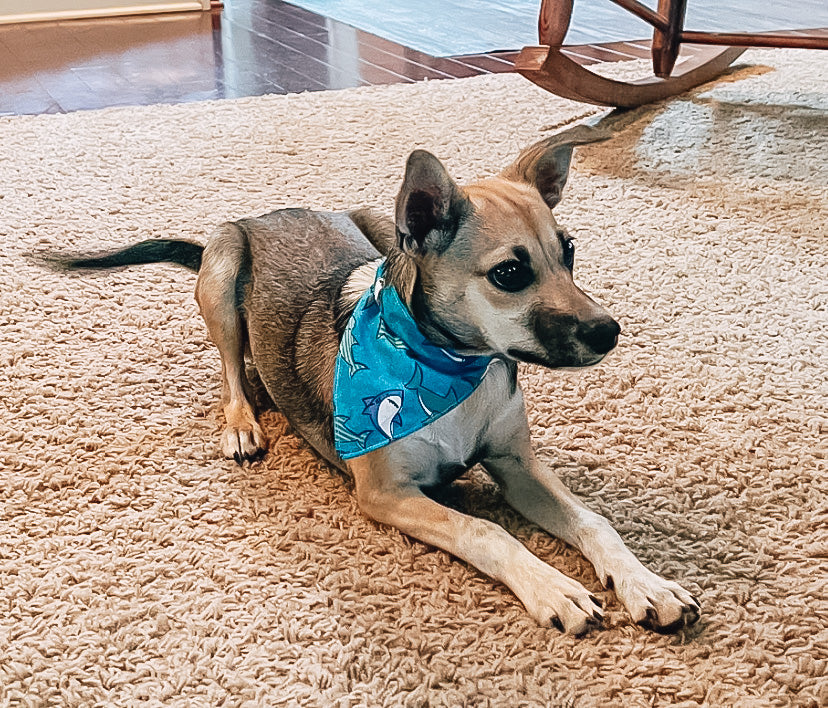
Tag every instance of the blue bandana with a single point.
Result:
(390, 381)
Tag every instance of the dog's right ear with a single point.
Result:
(545, 164)
(430, 206)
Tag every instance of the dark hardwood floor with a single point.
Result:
(249, 48)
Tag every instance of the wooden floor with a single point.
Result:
(250, 48)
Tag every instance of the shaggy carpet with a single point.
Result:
(136, 567)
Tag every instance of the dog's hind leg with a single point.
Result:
(217, 294)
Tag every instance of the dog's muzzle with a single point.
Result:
(569, 341)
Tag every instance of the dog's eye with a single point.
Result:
(511, 276)
(568, 245)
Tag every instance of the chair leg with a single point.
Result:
(553, 21)
(667, 42)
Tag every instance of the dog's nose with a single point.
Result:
(599, 335)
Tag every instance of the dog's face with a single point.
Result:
(495, 269)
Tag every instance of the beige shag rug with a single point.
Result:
(136, 567)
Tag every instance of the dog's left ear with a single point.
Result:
(545, 165)
(430, 206)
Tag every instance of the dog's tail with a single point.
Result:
(185, 253)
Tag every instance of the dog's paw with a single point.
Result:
(240, 445)
(243, 438)
(563, 603)
(656, 603)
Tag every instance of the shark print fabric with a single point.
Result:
(389, 380)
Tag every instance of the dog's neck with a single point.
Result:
(403, 274)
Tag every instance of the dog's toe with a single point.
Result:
(584, 624)
(569, 607)
(689, 616)
(241, 445)
(577, 624)
(657, 604)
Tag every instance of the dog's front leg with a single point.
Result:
(390, 497)
(537, 492)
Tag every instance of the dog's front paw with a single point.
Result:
(241, 445)
(563, 603)
(656, 603)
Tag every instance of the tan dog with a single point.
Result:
(483, 270)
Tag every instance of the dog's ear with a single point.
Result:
(545, 165)
(430, 206)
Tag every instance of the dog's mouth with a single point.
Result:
(559, 362)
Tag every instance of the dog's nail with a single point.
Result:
(671, 628)
(650, 620)
(237, 457)
(691, 616)
(557, 624)
(591, 624)
(695, 599)
(599, 617)
(596, 601)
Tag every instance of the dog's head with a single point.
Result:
(494, 269)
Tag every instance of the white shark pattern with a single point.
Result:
(384, 333)
(344, 433)
(347, 349)
(376, 289)
(431, 402)
(384, 410)
(454, 357)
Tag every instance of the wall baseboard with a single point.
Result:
(116, 11)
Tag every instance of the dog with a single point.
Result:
(482, 277)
